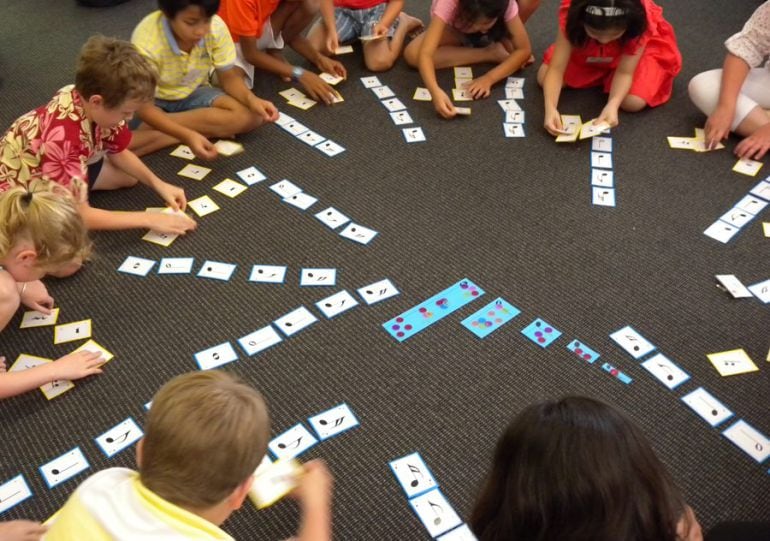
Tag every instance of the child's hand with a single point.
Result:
(174, 224)
(552, 123)
(318, 89)
(315, 485)
(444, 105)
(172, 195)
(332, 41)
(21, 530)
(201, 146)
(36, 297)
(755, 145)
(265, 109)
(718, 126)
(609, 115)
(78, 365)
(332, 66)
(480, 87)
(380, 30)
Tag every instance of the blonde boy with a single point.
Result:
(205, 435)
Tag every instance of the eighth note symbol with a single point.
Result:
(119, 439)
(293, 444)
(438, 513)
(670, 376)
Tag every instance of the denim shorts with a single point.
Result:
(354, 23)
(203, 96)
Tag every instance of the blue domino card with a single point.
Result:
(432, 310)
(611, 370)
(490, 318)
(541, 333)
(583, 351)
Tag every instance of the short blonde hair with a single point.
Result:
(206, 434)
(115, 70)
(46, 216)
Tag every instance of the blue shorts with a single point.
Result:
(203, 96)
(354, 23)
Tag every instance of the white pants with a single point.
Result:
(704, 92)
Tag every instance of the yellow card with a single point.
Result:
(34, 318)
(184, 152)
(460, 94)
(422, 94)
(195, 172)
(337, 97)
(302, 103)
(230, 188)
(571, 126)
(56, 388)
(463, 111)
(69, 332)
(589, 129)
(684, 143)
(730, 363)
(91, 345)
(344, 49)
(330, 78)
(463, 72)
(747, 167)
(700, 134)
(292, 94)
(25, 361)
(274, 481)
(766, 228)
(461, 82)
(161, 239)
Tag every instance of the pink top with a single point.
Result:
(446, 10)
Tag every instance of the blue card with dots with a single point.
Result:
(617, 374)
(490, 318)
(541, 333)
(583, 351)
(432, 310)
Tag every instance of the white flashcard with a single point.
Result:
(514, 82)
(69, 332)
(25, 361)
(119, 437)
(358, 233)
(136, 265)
(295, 321)
(401, 117)
(285, 188)
(514, 117)
(161, 239)
(251, 175)
(413, 475)
(176, 265)
(268, 274)
(509, 105)
(383, 92)
(736, 217)
(762, 190)
(460, 94)
(64, 467)
(292, 443)
(435, 512)
(294, 128)
(463, 111)
(203, 206)
(230, 188)
(746, 166)
(761, 291)
(463, 72)
(195, 172)
(334, 421)
(414, 135)
(751, 204)
(707, 406)
(603, 197)
(303, 103)
(315, 277)
(749, 439)
(330, 78)
(378, 291)
(601, 159)
(56, 388)
(734, 286)
(311, 138)
(216, 356)
(685, 143)
(273, 481)
(721, 231)
(602, 178)
(184, 152)
(634, 343)
(344, 49)
(259, 340)
(283, 119)
(292, 94)
(13, 492)
(336, 304)
(463, 533)
(601, 144)
(665, 371)
(33, 318)
(332, 218)
(302, 200)
(370, 82)
(330, 148)
(589, 129)
(95, 347)
(512, 93)
(393, 104)
(462, 82)
(422, 94)
(216, 270)
(228, 148)
(513, 130)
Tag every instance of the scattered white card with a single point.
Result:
(378, 291)
(273, 481)
(176, 265)
(136, 265)
(514, 117)
(721, 231)
(251, 175)
(13, 492)
(216, 356)
(295, 321)
(336, 304)
(422, 94)
(33, 318)
(589, 129)
(294, 127)
(309, 137)
(736, 217)
(25, 361)
(292, 443)
(761, 291)
(228, 148)
(301, 200)
(509, 105)
(393, 105)
(284, 119)
(413, 475)
(303, 103)
(203, 206)
(195, 172)
(318, 277)
(120, 436)
(512, 93)
(162, 239)
(370, 82)
(56, 388)
(463, 72)
(751, 204)
(634, 343)
(332, 218)
(513, 130)
(601, 159)
(268, 274)
(285, 188)
(747, 167)
(344, 49)
(435, 512)
(460, 94)
(64, 467)
(358, 233)
(330, 148)
(184, 152)
(733, 286)
(463, 533)
(750, 440)
(762, 190)
(69, 332)
(230, 188)
(334, 421)
(707, 406)
(216, 270)
(414, 135)
(601, 144)
(259, 340)
(602, 178)
(383, 92)
(330, 78)
(603, 197)
(463, 111)
(514, 82)
(665, 371)
(292, 94)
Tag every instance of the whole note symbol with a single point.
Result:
(215, 355)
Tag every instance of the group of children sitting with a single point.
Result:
(187, 76)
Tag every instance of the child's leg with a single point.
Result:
(451, 52)
(317, 37)
(109, 177)
(292, 17)
(146, 140)
(381, 54)
(225, 118)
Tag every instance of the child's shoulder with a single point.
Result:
(150, 26)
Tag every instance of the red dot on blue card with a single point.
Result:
(408, 327)
(579, 351)
(587, 357)
(399, 334)
(614, 371)
(423, 310)
(399, 319)
(541, 339)
(474, 293)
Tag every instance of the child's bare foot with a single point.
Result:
(413, 25)
(278, 55)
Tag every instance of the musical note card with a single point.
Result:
(330, 148)
(762, 190)
(25, 361)
(332, 218)
(707, 406)
(602, 178)
(541, 332)
(435, 512)
(570, 128)
(176, 265)
(432, 310)
(751, 204)
(761, 291)
(203, 206)
(514, 82)
(228, 148)
(601, 144)
(378, 291)
(749, 439)
(56, 388)
(730, 363)
(665, 371)
(119, 437)
(413, 475)
(184, 152)
(602, 197)
(512, 93)
(69, 332)
(336, 304)
(292, 443)
(510, 105)
(422, 94)
(634, 343)
(295, 321)
(230, 188)
(259, 340)
(583, 351)
(589, 129)
(251, 175)
(273, 481)
(617, 374)
(331, 78)
(161, 239)
(285, 188)
(734, 286)
(283, 119)
(333, 422)
(513, 130)
(370, 82)
(490, 318)
(64, 467)
(301, 200)
(13, 492)
(317, 277)
(514, 117)
(136, 265)
(736, 217)
(401, 118)
(358, 233)
(393, 104)
(463, 533)
(268, 274)
(382, 92)
(414, 135)
(195, 172)
(216, 356)
(460, 94)
(94, 347)
(463, 72)
(721, 231)
(216, 270)
(309, 137)
(33, 318)
(745, 166)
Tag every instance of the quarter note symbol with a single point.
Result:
(437, 510)
(669, 376)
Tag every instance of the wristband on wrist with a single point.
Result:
(296, 73)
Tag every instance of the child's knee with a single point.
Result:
(633, 104)
(377, 63)
(704, 90)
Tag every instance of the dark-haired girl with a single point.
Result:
(624, 46)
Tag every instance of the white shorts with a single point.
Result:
(267, 40)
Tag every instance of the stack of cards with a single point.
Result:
(696, 144)
(297, 98)
(602, 174)
(513, 125)
(570, 125)
(156, 237)
(307, 136)
(745, 210)
(273, 481)
(397, 110)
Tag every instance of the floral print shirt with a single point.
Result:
(752, 44)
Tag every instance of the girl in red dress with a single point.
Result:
(625, 46)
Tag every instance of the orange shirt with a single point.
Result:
(246, 17)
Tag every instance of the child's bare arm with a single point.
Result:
(21, 530)
(160, 120)
(553, 81)
(113, 220)
(481, 87)
(315, 497)
(391, 14)
(621, 84)
(73, 366)
(327, 16)
(734, 73)
(232, 83)
(430, 40)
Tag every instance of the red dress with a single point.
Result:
(594, 64)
